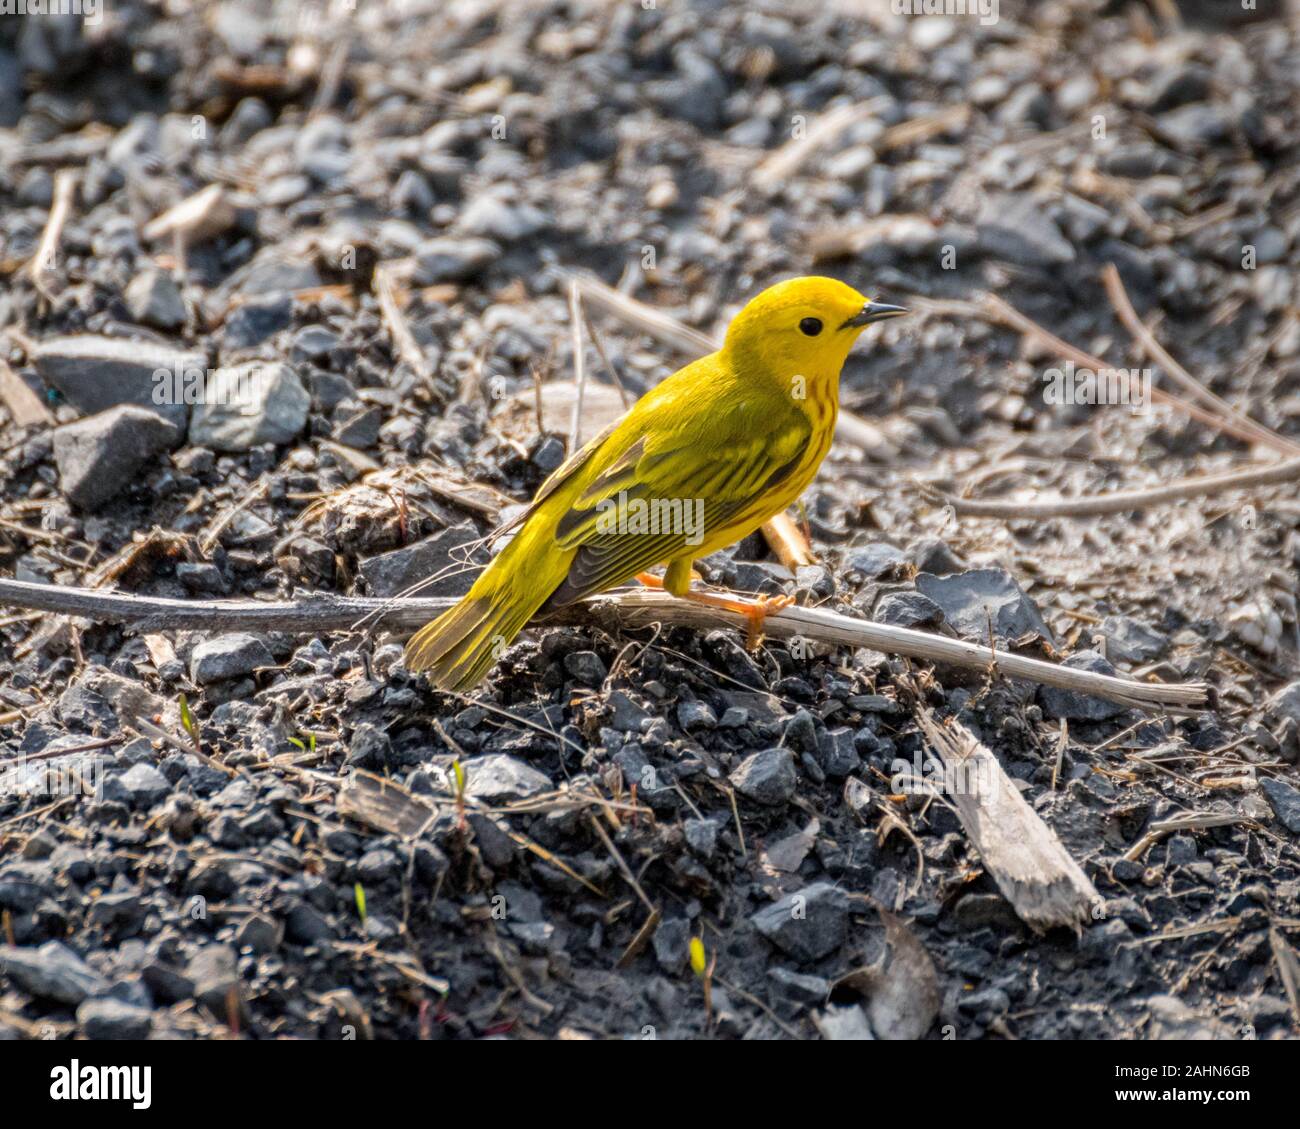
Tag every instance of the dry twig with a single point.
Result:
(614, 610)
(1121, 501)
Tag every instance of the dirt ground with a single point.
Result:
(269, 833)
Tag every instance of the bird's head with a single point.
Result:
(802, 326)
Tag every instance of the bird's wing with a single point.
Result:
(557, 478)
(724, 477)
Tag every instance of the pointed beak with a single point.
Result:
(874, 312)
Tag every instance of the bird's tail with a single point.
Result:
(459, 647)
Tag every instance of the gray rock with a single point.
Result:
(200, 576)
(836, 752)
(97, 373)
(1130, 640)
(808, 924)
(1074, 706)
(1014, 227)
(360, 430)
(260, 933)
(1195, 127)
(1177, 85)
(870, 562)
(1285, 703)
(448, 259)
(108, 1018)
(497, 777)
(845, 1023)
(304, 924)
(228, 656)
(695, 715)
(370, 747)
(798, 986)
(1284, 800)
(390, 574)
(248, 405)
(488, 215)
(930, 554)
(253, 322)
(907, 609)
(52, 972)
(766, 777)
(145, 785)
(971, 599)
(586, 667)
(215, 975)
(100, 455)
(701, 837)
(153, 298)
(672, 941)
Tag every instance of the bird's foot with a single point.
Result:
(755, 611)
(758, 612)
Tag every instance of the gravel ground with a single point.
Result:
(301, 861)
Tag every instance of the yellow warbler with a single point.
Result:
(699, 462)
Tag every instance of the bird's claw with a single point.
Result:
(757, 612)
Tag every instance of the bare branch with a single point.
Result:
(616, 610)
(1120, 501)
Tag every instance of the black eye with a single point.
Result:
(810, 326)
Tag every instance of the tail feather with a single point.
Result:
(460, 646)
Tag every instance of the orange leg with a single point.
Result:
(755, 610)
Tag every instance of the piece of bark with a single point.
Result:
(1035, 873)
(23, 404)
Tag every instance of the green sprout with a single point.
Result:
(190, 725)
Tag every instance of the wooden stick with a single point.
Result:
(1035, 873)
(616, 610)
(1119, 501)
(42, 267)
(1128, 315)
(788, 542)
(408, 349)
(196, 219)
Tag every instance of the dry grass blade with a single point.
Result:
(1183, 821)
(404, 342)
(1035, 873)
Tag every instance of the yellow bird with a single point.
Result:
(698, 463)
